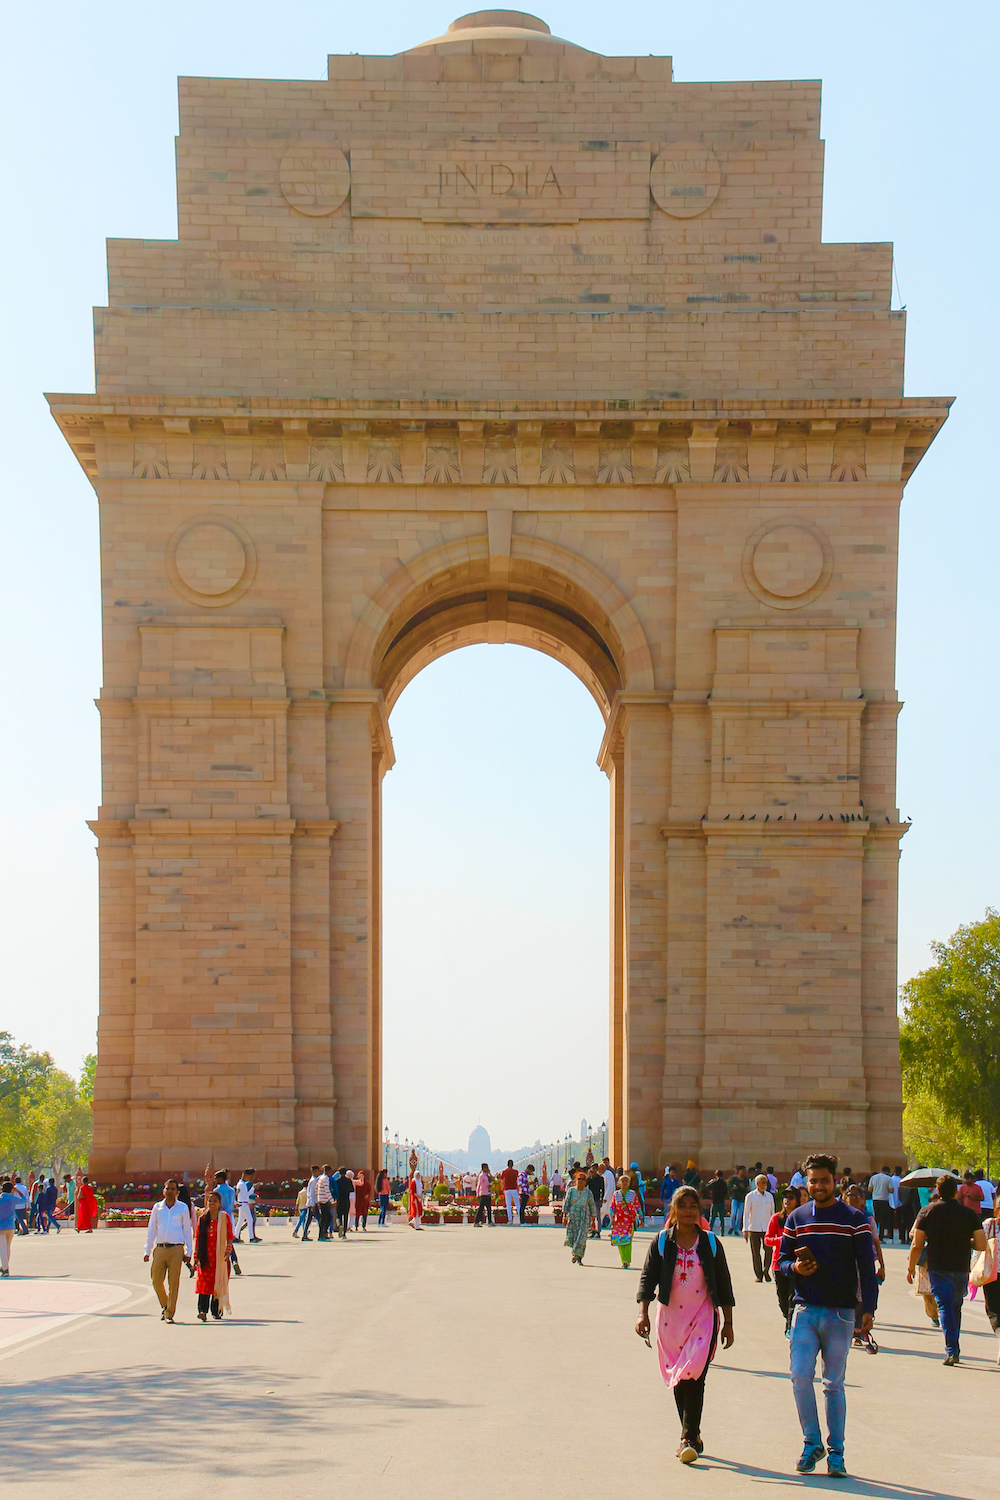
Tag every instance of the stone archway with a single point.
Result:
(414, 375)
(499, 588)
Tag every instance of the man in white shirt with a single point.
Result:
(168, 1240)
(989, 1194)
(796, 1180)
(880, 1188)
(758, 1206)
(245, 1193)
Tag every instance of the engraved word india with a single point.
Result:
(629, 411)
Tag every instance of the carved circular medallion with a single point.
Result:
(315, 179)
(685, 179)
(787, 563)
(211, 561)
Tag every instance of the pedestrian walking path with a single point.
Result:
(29, 1308)
(450, 1363)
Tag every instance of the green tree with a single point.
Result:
(22, 1071)
(949, 1044)
(935, 1139)
(86, 1085)
(45, 1116)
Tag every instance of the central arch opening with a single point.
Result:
(495, 825)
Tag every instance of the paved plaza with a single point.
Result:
(449, 1363)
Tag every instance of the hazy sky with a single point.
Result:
(505, 1008)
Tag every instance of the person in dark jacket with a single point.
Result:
(828, 1251)
(687, 1275)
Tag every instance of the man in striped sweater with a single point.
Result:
(828, 1251)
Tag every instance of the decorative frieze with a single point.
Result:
(522, 450)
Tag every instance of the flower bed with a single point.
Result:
(431, 1216)
(116, 1218)
(500, 1216)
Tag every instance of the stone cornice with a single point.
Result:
(333, 442)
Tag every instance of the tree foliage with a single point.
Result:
(22, 1071)
(935, 1139)
(949, 1043)
(45, 1115)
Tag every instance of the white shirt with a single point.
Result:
(244, 1192)
(610, 1186)
(894, 1200)
(880, 1187)
(757, 1211)
(311, 1187)
(988, 1191)
(169, 1226)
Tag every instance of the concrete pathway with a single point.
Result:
(450, 1363)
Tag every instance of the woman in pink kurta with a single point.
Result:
(687, 1274)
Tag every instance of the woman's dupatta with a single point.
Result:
(222, 1262)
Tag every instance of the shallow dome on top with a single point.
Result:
(496, 31)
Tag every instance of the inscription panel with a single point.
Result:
(497, 181)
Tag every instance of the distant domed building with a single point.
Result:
(479, 1144)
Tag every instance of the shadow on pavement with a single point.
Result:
(71, 1422)
(852, 1485)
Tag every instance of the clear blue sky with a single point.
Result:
(90, 100)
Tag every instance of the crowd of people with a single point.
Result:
(822, 1248)
(331, 1199)
(818, 1238)
(40, 1204)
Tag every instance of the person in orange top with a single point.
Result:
(86, 1208)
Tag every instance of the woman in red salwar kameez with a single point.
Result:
(416, 1207)
(211, 1259)
(362, 1198)
(86, 1208)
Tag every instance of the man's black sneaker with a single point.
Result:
(810, 1458)
(952, 1359)
(835, 1466)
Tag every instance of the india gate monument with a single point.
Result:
(497, 339)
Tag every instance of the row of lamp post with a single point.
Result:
(396, 1153)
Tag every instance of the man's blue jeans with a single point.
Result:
(949, 1289)
(718, 1211)
(827, 1331)
(736, 1218)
